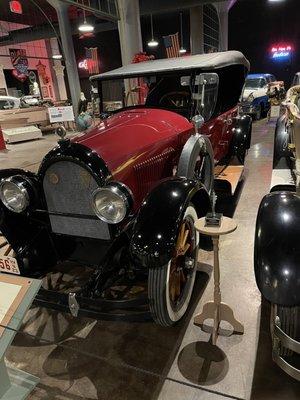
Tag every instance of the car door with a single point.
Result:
(219, 131)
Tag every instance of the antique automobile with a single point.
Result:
(121, 199)
(255, 100)
(296, 79)
(277, 250)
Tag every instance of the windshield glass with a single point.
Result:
(170, 92)
(255, 83)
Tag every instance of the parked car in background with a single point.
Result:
(296, 79)
(277, 250)
(9, 102)
(255, 100)
(122, 198)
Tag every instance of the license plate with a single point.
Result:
(9, 264)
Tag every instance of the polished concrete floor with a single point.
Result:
(84, 359)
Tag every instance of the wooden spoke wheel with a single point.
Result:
(5, 247)
(170, 287)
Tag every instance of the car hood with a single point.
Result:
(255, 92)
(128, 134)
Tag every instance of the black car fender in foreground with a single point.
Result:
(277, 250)
(156, 227)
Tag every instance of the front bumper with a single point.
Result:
(247, 108)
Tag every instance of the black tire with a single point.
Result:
(164, 311)
(192, 153)
(289, 318)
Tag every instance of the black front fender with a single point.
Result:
(282, 153)
(157, 223)
(277, 249)
(29, 239)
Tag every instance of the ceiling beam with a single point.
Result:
(46, 32)
(158, 6)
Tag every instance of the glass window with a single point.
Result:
(255, 83)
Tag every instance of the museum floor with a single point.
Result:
(83, 359)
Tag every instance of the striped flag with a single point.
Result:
(172, 45)
(92, 60)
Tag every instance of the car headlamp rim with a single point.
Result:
(122, 192)
(20, 184)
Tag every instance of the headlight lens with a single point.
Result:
(112, 203)
(14, 194)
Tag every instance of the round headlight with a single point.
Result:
(112, 203)
(14, 194)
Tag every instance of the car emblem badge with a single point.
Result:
(53, 178)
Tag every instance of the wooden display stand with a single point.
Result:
(215, 309)
(16, 296)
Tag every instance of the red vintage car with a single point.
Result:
(122, 198)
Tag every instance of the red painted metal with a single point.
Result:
(144, 145)
(2, 142)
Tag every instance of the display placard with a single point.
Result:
(12, 291)
(61, 114)
(275, 111)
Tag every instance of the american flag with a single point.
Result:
(172, 45)
(91, 55)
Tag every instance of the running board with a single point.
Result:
(228, 178)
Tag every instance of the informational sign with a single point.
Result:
(275, 112)
(12, 292)
(281, 51)
(61, 114)
(19, 61)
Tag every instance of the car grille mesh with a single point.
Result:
(68, 189)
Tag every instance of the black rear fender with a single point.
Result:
(277, 248)
(242, 131)
(157, 223)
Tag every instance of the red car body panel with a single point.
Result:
(131, 141)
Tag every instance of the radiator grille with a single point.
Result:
(68, 188)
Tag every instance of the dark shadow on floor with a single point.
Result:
(270, 382)
(120, 360)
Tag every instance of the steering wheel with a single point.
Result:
(175, 100)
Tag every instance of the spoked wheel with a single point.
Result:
(170, 287)
(289, 322)
(5, 247)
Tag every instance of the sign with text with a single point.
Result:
(61, 114)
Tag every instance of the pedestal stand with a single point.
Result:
(16, 296)
(215, 309)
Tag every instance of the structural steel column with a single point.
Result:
(223, 9)
(68, 50)
(196, 30)
(129, 29)
(58, 68)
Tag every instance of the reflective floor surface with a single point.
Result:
(84, 359)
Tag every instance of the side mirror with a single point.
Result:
(198, 122)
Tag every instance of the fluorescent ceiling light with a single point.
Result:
(153, 43)
(57, 56)
(86, 27)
